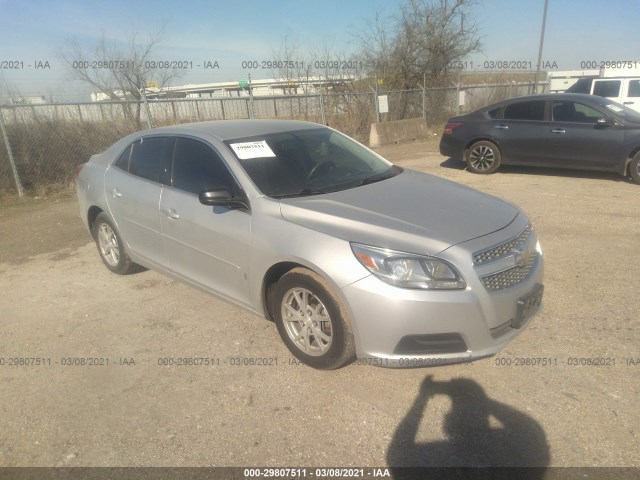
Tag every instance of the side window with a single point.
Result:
(533, 110)
(198, 168)
(574, 112)
(151, 158)
(634, 88)
(123, 159)
(607, 88)
(494, 113)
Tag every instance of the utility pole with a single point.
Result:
(544, 22)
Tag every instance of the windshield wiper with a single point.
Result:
(378, 178)
(302, 193)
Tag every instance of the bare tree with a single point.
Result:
(121, 74)
(424, 40)
(331, 69)
(291, 65)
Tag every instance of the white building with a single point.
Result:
(257, 88)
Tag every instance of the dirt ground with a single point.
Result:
(59, 304)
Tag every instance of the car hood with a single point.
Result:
(412, 212)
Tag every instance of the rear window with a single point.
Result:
(532, 110)
(123, 160)
(151, 158)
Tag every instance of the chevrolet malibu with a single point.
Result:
(350, 255)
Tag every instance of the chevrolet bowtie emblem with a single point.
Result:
(520, 257)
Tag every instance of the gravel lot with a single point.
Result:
(59, 302)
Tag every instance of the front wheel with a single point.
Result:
(312, 321)
(634, 168)
(110, 246)
(483, 157)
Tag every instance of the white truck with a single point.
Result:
(620, 85)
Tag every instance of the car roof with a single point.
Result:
(549, 96)
(231, 129)
(581, 97)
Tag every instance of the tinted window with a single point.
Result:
(151, 158)
(574, 112)
(581, 86)
(197, 168)
(494, 112)
(123, 160)
(533, 110)
(607, 88)
(634, 88)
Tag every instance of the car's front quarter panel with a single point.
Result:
(631, 142)
(278, 241)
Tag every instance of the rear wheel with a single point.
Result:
(110, 246)
(634, 168)
(312, 320)
(483, 157)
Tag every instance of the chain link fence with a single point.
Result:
(41, 145)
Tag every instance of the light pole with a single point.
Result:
(544, 22)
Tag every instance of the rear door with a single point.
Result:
(521, 132)
(133, 186)
(632, 97)
(206, 245)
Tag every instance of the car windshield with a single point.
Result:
(308, 162)
(622, 110)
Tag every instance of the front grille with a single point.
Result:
(510, 277)
(504, 249)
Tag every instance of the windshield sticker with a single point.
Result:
(615, 108)
(248, 150)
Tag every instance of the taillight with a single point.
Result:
(450, 127)
(79, 168)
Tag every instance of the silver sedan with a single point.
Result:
(350, 255)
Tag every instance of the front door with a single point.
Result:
(206, 245)
(577, 140)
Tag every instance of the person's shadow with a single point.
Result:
(514, 439)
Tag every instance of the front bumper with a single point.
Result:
(402, 328)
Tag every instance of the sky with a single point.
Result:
(33, 33)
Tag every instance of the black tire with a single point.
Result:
(483, 157)
(634, 168)
(114, 254)
(324, 304)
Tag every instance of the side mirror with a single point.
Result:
(604, 122)
(222, 197)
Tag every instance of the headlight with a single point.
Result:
(406, 270)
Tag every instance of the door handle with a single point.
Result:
(171, 213)
(628, 103)
(502, 127)
(116, 193)
(558, 130)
